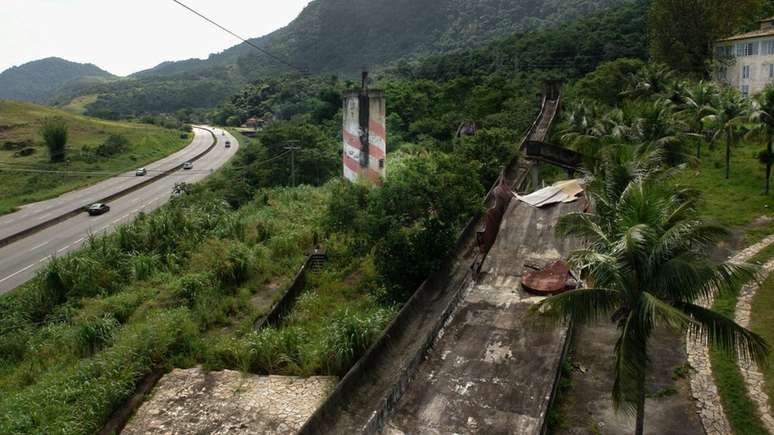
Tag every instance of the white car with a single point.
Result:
(187, 165)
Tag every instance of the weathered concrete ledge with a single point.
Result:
(228, 402)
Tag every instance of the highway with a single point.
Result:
(33, 214)
(20, 260)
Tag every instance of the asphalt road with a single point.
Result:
(20, 260)
(32, 214)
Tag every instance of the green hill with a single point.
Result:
(334, 36)
(19, 125)
(37, 81)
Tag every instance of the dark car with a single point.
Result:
(228, 144)
(187, 165)
(98, 209)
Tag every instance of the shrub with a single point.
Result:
(349, 336)
(144, 265)
(55, 132)
(95, 333)
(280, 351)
(78, 398)
(194, 285)
(114, 144)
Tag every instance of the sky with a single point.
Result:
(126, 36)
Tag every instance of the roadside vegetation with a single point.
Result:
(81, 144)
(185, 285)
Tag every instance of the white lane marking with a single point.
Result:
(64, 249)
(115, 221)
(39, 246)
(48, 257)
(79, 240)
(16, 273)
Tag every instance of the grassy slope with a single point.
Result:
(737, 202)
(21, 121)
(69, 371)
(78, 104)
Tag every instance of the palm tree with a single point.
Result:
(588, 131)
(652, 80)
(646, 263)
(762, 117)
(729, 115)
(697, 104)
(658, 127)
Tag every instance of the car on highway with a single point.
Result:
(187, 165)
(141, 172)
(228, 144)
(98, 208)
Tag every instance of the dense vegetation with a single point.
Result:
(149, 297)
(185, 285)
(331, 36)
(702, 136)
(37, 81)
(343, 35)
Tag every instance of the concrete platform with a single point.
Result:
(493, 369)
(228, 402)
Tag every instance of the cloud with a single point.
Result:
(125, 36)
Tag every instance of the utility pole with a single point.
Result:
(292, 146)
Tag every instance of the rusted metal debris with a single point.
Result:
(486, 238)
(548, 281)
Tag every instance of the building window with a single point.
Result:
(746, 72)
(771, 70)
(767, 47)
(747, 49)
(722, 73)
(745, 90)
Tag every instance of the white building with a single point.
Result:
(746, 61)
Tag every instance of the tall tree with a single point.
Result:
(697, 104)
(762, 117)
(682, 32)
(728, 118)
(54, 132)
(646, 263)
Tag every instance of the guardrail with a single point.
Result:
(72, 213)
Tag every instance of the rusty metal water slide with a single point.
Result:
(367, 397)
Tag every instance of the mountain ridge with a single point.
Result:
(35, 81)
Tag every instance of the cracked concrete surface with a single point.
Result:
(228, 402)
(493, 369)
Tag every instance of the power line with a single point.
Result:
(264, 51)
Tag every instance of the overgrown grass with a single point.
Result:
(163, 291)
(738, 201)
(19, 124)
(331, 326)
(762, 318)
(739, 408)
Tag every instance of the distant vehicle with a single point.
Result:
(228, 144)
(187, 165)
(141, 172)
(98, 208)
